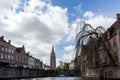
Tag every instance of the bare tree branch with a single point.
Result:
(83, 34)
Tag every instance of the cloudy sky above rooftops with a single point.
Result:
(39, 24)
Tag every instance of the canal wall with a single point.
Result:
(11, 72)
(104, 72)
(8, 72)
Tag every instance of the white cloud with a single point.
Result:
(100, 20)
(88, 14)
(58, 61)
(94, 19)
(69, 55)
(72, 31)
(78, 8)
(36, 4)
(7, 6)
(37, 26)
(69, 48)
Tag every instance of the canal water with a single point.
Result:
(57, 78)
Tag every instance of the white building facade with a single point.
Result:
(72, 65)
(31, 62)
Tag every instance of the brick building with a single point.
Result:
(94, 54)
(88, 57)
(38, 64)
(16, 56)
(22, 57)
(7, 53)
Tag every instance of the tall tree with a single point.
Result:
(83, 34)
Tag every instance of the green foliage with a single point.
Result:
(57, 68)
(65, 66)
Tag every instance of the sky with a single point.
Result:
(39, 24)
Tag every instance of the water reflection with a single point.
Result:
(53, 78)
(60, 78)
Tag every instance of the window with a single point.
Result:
(2, 56)
(6, 56)
(6, 49)
(2, 48)
(114, 43)
(9, 50)
(9, 57)
(12, 51)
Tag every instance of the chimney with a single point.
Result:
(118, 18)
(9, 41)
(2, 37)
(23, 46)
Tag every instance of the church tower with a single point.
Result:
(52, 59)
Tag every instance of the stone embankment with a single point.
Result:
(104, 72)
(9, 72)
(12, 73)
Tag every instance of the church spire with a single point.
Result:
(52, 58)
(52, 50)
